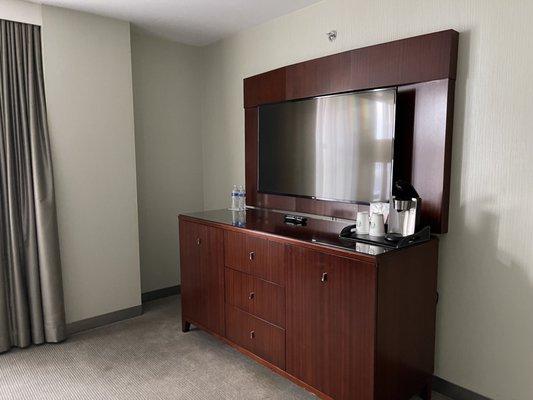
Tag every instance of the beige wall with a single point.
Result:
(167, 82)
(484, 327)
(20, 11)
(87, 63)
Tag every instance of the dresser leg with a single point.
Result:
(185, 326)
(426, 392)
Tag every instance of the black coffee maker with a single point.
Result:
(404, 214)
(403, 221)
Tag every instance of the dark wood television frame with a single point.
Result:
(424, 70)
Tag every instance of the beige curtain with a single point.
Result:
(31, 291)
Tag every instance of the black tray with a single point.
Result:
(421, 236)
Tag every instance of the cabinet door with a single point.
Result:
(202, 275)
(191, 288)
(331, 322)
(211, 256)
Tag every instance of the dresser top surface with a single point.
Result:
(323, 232)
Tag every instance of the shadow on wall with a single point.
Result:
(484, 317)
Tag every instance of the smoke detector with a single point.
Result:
(332, 35)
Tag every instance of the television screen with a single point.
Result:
(336, 147)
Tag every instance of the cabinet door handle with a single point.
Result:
(324, 278)
(198, 241)
(252, 334)
(251, 295)
(252, 256)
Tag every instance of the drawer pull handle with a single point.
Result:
(324, 278)
(198, 241)
(252, 334)
(251, 295)
(252, 256)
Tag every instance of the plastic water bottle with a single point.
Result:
(235, 198)
(242, 198)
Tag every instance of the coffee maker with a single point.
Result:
(404, 214)
(403, 227)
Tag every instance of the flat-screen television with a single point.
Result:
(337, 147)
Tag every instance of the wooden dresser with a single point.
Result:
(343, 320)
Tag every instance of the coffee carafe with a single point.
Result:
(404, 215)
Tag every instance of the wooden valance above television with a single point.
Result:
(422, 67)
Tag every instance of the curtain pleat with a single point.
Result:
(31, 291)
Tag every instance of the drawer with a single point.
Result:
(261, 338)
(234, 251)
(255, 255)
(256, 296)
(239, 290)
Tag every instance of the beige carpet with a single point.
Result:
(147, 357)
